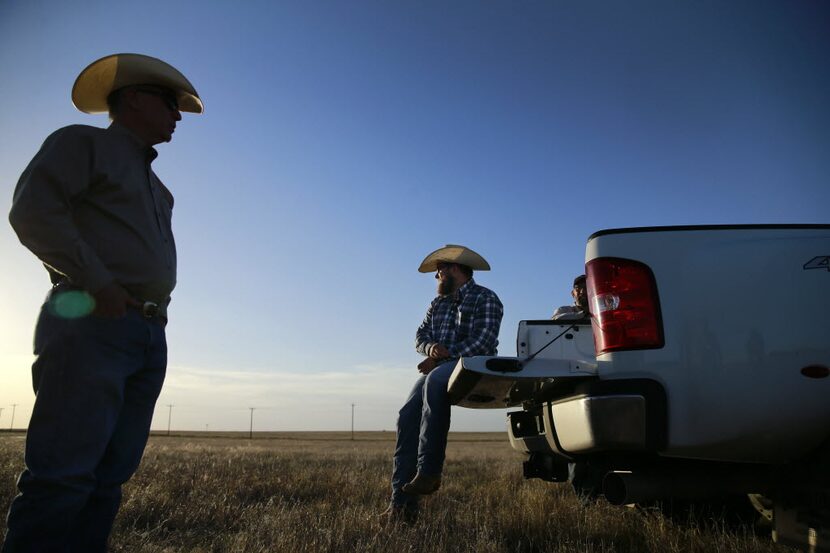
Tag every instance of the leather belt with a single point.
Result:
(149, 309)
(151, 312)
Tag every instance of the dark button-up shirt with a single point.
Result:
(90, 207)
(466, 323)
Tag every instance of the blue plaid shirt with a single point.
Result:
(466, 323)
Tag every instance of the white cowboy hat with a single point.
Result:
(101, 77)
(453, 253)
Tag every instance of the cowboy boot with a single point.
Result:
(423, 484)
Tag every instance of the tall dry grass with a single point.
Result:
(311, 492)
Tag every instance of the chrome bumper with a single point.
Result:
(603, 417)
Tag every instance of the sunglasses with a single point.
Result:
(169, 99)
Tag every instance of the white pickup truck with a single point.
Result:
(711, 374)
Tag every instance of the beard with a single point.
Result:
(446, 286)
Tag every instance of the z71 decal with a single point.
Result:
(818, 262)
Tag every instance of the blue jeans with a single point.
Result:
(423, 424)
(96, 382)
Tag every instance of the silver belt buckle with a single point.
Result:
(149, 309)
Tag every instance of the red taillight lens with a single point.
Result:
(625, 309)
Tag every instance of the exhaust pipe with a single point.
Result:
(622, 488)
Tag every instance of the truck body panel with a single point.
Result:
(742, 316)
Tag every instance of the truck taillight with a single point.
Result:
(625, 308)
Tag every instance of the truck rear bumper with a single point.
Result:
(598, 417)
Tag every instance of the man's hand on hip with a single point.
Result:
(112, 301)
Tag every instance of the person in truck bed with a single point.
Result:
(585, 478)
(463, 320)
(579, 309)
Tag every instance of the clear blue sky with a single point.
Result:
(343, 141)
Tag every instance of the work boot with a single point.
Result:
(423, 484)
(399, 514)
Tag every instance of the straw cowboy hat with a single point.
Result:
(101, 77)
(453, 253)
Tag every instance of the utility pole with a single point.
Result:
(1, 412)
(14, 407)
(352, 421)
(251, 432)
(169, 416)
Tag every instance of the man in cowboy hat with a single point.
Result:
(462, 321)
(90, 207)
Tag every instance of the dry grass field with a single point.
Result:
(321, 492)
